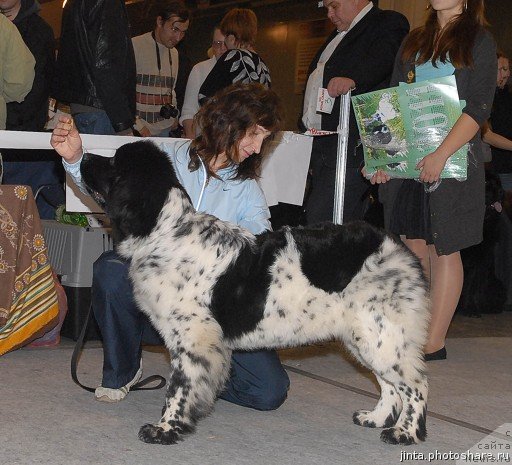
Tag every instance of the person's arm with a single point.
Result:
(462, 132)
(189, 131)
(191, 103)
(377, 62)
(495, 140)
(32, 113)
(18, 65)
(255, 213)
(67, 142)
(219, 77)
(481, 87)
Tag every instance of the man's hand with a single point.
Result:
(340, 85)
(66, 140)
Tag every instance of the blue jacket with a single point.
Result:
(239, 202)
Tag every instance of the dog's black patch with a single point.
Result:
(332, 255)
(239, 295)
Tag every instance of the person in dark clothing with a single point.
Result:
(501, 123)
(358, 56)
(96, 71)
(31, 114)
(35, 168)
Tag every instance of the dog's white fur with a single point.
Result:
(193, 275)
(176, 295)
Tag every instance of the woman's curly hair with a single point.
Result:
(224, 121)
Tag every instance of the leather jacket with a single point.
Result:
(96, 63)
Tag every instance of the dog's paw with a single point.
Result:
(398, 436)
(157, 435)
(363, 418)
(373, 419)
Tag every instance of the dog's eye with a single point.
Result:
(112, 161)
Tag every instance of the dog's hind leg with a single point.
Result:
(407, 380)
(385, 413)
(410, 428)
(199, 368)
(394, 355)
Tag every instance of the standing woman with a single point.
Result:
(240, 63)
(437, 225)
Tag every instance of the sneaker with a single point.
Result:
(104, 394)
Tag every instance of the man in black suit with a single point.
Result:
(358, 56)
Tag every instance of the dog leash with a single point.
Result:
(139, 386)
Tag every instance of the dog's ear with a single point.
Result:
(144, 176)
(132, 208)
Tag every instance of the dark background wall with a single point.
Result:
(499, 15)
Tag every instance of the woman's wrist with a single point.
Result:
(442, 154)
(75, 158)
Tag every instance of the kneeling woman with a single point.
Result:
(218, 170)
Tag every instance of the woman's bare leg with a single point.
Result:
(447, 276)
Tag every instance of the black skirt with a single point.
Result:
(411, 212)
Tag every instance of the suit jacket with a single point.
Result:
(366, 55)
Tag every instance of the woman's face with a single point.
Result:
(448, 8)
(503, 71)
(251, 143)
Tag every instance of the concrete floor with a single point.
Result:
(46, 419)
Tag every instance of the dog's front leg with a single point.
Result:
(199, 368)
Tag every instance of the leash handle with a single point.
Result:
(139, 386)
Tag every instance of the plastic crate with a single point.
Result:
(73, 249)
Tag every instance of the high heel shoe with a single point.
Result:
(437, 355)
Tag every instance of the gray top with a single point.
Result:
(457, 208)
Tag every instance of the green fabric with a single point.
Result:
(16, 67)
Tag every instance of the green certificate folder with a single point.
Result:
(401, 125)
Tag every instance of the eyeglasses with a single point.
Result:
(218, 43)
(177, 30)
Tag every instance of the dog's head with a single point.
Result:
(131, 187)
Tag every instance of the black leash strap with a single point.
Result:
(140, 386)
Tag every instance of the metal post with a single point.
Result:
(341, 160)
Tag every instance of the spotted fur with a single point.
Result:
(210, 287)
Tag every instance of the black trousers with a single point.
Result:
(319, 203)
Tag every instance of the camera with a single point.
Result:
(169, 111)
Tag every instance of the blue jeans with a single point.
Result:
(257, 379)
(94, 122)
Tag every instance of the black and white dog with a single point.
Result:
(210, 287)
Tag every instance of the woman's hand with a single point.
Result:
(431, 166)
(379, 177)
(66, 140)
